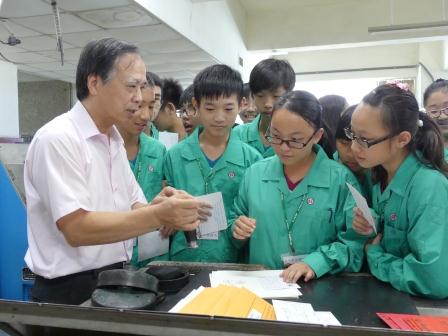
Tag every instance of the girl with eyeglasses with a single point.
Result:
(435, 100)
(404, 148)
(294, 208)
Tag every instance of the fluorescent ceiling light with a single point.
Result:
(405, 28)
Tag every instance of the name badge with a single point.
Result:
(288, 258)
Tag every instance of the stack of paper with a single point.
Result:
(302, 313)
(265, 284)
(225, 301)
(217, 221)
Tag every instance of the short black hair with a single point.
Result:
(156, 79)
(270, 74)
(344, 122)
(99, 58)
(247, 93)
(332, 108)
(438, 85)
(187, 95)
(216, 81)
(171, 92)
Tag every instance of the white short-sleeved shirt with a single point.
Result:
(70, 165)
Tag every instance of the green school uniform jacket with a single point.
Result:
(248, 133)
(413, 211)
(366, 184)
(148, 171)
(186, 168)
(446, 154)
(322, 229)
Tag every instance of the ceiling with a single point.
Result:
(165, 51)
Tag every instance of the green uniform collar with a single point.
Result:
(232, 154)
(146, 146)
(318, 175)
(403, 176)
(252, 130)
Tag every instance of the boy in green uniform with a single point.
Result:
(294, 208)
(404, 148)
(211, 159)
(269, 80)
(146, 156)
(152, 130)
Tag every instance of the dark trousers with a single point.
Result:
(71, 289)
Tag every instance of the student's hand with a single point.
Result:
(244, 227)
(360, 224)
(179, 211)
(294, 272)
(375, 241)
(166, 232)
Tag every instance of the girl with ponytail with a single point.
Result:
(404, 148)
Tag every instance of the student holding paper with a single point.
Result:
(145, 155)
(404, 148)
(295, 208)
(211, 159)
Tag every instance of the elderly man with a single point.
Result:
(83, 203)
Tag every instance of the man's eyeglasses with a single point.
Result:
(290, 143)
(437, 113)
(364, 142)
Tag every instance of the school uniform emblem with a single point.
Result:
(151, 168)
(393, 216)
(231, 174)
(310, 201)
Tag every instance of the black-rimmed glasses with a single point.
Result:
(273, 140)
(437, 113)
(364, 142)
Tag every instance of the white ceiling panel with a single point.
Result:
(23, 8)
(45, 24)
(27, 77)
(69, 54)
(54, 66)
(6, 49)
(28, 68)
(179, 45)
(27, 57)
(190, 56)
(39, 43)
(86, 5)
(119, 17)
(16, 29)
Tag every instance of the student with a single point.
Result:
(188, 114)
(344, 153)
(152, 130)
(435, 100)
(167, 119)
(332, 108)
(248, 109)
(146, 156)
(269, 80)
(295, 208)
(212, 159)
(404, 149)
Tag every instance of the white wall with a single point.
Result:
(9, 101)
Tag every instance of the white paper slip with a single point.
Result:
(256, 283)
(327, 318)
(218, 220)
(168, 139)
(152, 244)
(294, 312)
(275, 283)
(361, 203)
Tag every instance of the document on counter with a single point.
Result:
(265, 284)
(152, 244)
(416, 322)
(169, 139)
(298, 312)
(217, 221)
(361, 203)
